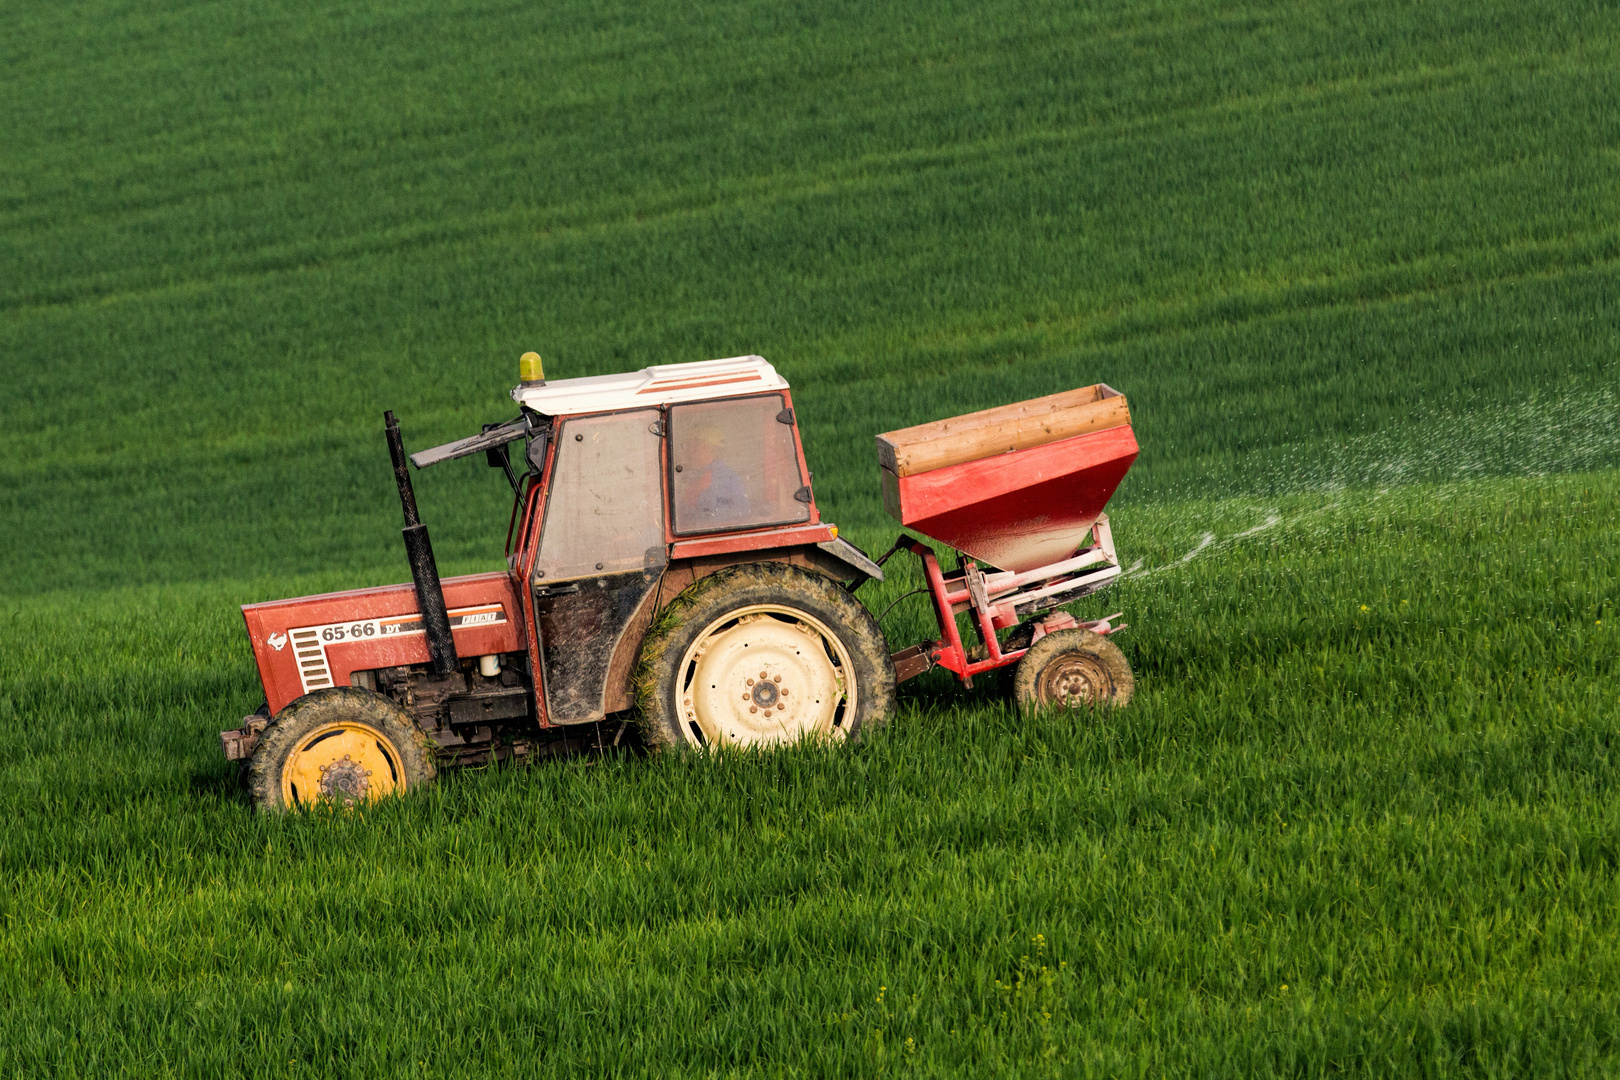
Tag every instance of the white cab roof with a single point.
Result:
(652, 386)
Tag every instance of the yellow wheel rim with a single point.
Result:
(765, 675)
(344, 764)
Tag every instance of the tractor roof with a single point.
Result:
(656, 385)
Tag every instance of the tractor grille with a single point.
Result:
(309, 643)
(312, 669)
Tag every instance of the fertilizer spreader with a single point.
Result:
(1022, 489)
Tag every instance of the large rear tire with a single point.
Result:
(1070, 669)
(341, 746)
(762, 654)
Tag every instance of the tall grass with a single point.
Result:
(1359, 818)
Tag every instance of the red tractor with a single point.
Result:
(667, 568)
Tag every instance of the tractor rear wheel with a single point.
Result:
(342, 746)
(1070, 669)
(759, 655)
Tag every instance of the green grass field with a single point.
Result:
(1358, 268)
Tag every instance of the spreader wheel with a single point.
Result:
(342, 746)
(1073, 668)
(759, 655)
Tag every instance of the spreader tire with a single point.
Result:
(759, 655)
(343, 746)
(1070, 669)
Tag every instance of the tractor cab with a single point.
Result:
(634, 486)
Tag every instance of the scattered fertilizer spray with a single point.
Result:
(1571, 433)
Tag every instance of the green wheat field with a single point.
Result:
(1357, 266)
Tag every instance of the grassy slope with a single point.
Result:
(229, 241)
(1362, 815)
(1318, 246)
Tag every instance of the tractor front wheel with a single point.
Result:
(342, 746)
(762, 654)
(1070, 669)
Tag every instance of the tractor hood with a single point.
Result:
(318, 641)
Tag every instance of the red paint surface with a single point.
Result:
(278, 668)
(726, 543)
(523, 562)
(1018, 510)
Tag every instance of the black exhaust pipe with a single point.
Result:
(424, 571)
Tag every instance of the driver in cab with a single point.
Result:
(714, 495)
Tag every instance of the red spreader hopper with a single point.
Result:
(1017, 487)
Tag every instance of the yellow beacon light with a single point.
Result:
(530, 373)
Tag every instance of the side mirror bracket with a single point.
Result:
(499, 457)
(536, 455)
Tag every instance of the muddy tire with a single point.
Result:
(1072, 669)
(342, 745)
(759, 655)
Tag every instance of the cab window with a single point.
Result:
(733, 465)
(605, 512)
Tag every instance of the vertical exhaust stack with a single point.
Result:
(424, 571)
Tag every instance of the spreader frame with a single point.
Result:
(1001, 599)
